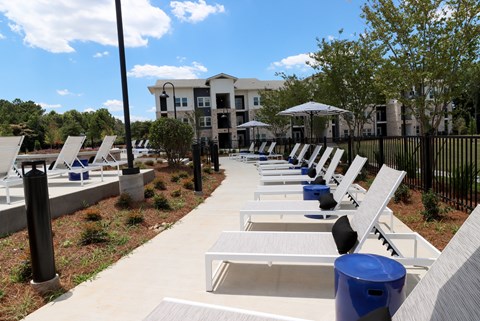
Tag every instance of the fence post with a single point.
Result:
(427, 162)
(216, 162)
(324, 142)
(197, 168)
(381, 156)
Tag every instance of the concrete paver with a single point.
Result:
(172, 265)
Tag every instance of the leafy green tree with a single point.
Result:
(72, 124)
(140, 129)
(173, 137)
(295, 91)
(119, 130)
(347, 78)
(430, 45)
(100, 124)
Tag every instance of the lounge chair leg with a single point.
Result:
(7, 192)
(208, 274)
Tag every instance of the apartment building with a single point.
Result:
(217, 105)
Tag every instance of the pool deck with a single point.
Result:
(172, 265)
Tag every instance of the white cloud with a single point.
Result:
(113, 105)
(50, 106)
(2, 36)
(88, 110)
(152, 110)
(101, 54)
(194, 12)
(294, 62)
(66, 92)
(54, 25)
(168, 72)
(330, 37)
(133, 118)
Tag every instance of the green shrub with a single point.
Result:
(134, 218)
(176, 193)
(159, 184)
(124, 201)
(149, 162)
(148, 192)
(406, 163)
(21, 272)
(140, 165)
(93, 233)
(431, 204)
(160, 202)
(464, 178)
(402, 194)
(207, 170)
(92, 214)
(175, 178)
(183, 174)
(189, 185)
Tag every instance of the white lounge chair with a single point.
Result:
(256, 156)
(66, 158)
(310, 207)
(9, 174)
(182, 310)
(103, 157)
(250, 150)
(298, 160)
(308, 247)
(287, 189)
(283, 179)
(279, 161)
(450, 288)
(291, 170)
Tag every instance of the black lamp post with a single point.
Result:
(126, 109)
(164, 96)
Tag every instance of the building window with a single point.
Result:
(206, 121)
(345, 133)
(185, 120)
(256, 101)
(203, 102)
(181, 102)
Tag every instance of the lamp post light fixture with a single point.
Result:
(164, 96)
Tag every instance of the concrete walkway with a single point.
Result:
(172, 265)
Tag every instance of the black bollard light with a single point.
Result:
(37, 206)
(197, 168)
(216, 162)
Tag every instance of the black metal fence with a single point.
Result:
(448, 165)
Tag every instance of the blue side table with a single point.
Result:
(365, 282)
(313, 192)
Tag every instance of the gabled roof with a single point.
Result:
(220, 76)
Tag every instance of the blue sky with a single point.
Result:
(63, 54)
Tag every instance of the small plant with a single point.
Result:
(140, 165)
(430, 202)
(183, 174)
(160, 202)
(207, 170)
(148, 192)
(149, 162)
(134, 218)
(124, 201)
(176, 193)
(189, 185)
(175, 178)
(92, 214)
(22, 272)
(463, 178)
(93, 233)
(159, 184)
(406, 163)
(402, 194)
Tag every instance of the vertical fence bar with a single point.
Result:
(427, 163)
(381, 152)
(350, 156)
